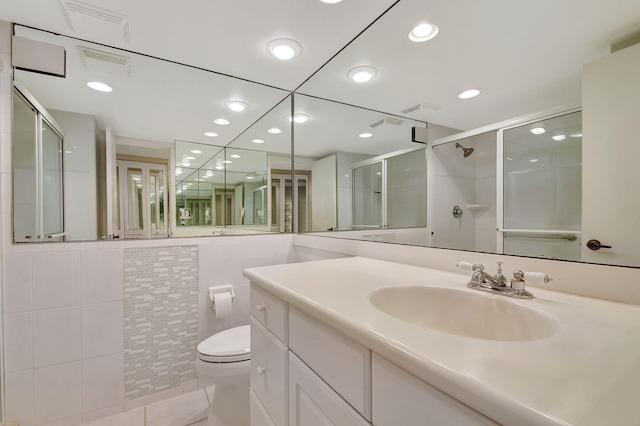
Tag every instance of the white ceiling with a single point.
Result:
(526, 56)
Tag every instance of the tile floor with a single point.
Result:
(189, 409)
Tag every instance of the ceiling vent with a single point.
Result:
(387, 120)
(105, 63)
(422, 105)
(88, 19)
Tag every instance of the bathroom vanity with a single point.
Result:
(358, 341)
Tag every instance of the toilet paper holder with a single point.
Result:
(220, 289)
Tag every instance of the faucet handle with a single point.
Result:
(468, 266)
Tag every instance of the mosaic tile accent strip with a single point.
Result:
(160, 318)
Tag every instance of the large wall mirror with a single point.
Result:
(110, 164)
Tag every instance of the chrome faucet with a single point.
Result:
(480, 280)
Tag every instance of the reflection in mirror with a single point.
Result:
(463, 193)
(152, 103)
(543, 188)
(364, 171)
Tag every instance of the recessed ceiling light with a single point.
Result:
(196, 151)
(469, 93)
(274, 130)
(362, 74)
(330, 1)
(558, 137)
(221, 121)
(211, 134)
(236, 106)
(535, 160)
(365, 135)
(100, 87)
(257, 141)
(234, 156)
(423, 32)
(284, 49)
(298, 118)
(576, 135)
(538, 130)
(189, 158)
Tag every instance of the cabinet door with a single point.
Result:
(259, 415)
(313, 402)
(402, 399)
(269, 372)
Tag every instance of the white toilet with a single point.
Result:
(224, 361)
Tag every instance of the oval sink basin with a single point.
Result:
(464, 313)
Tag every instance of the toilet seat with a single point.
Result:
(232, 345)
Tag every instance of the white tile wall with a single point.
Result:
(56, 279)
(16, 280)
(102, 329)
(19, 397)
(102, 273)
(58, 392)
(56, 336)
(18, 342)
(103, 382)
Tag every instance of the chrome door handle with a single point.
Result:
(596, 245)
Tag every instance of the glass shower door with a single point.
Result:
(542, 199)
(368, 194)
(52, 189)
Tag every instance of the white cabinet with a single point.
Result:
(313, 402)
(400, 398)
(325, 378)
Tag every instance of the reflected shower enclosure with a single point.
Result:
(463, 193)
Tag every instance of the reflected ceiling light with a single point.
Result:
(535, 160)
(538, 130)
(100, 87)
(198, 179)
(362, 74)
(509, 159)
(227, 161)
(423, 32)
(196, 151)
(209, 173)
(274, 130)
(250, 177)
(220, 167)
(576, 135)
(211, 134)
(205, 176)
(257, 141)
(179, 191)
(186, 163)
(221, 121)
(469, 93)
(558, 137)
(365, 135)
(234, 156)
(330, 1)
(284, 48)
(189, 158)
(178, 171)
(298, 118)
(236, 106)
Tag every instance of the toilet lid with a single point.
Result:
(230, 345)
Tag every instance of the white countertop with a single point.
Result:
(587, 373)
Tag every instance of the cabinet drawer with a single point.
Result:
(259, 416)
(400, 398)
(313, 402)
(270, 311)
(342, 363)
(269, 371)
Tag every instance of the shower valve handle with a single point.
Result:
(596, 245)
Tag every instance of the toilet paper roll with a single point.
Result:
(222, 304)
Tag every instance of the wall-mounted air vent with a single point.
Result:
(90, 19)
(105, 62)
(388, 120)
(422, 105)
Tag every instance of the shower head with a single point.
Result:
(467, 151)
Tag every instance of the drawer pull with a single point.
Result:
(261, 370)
(260, 308)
